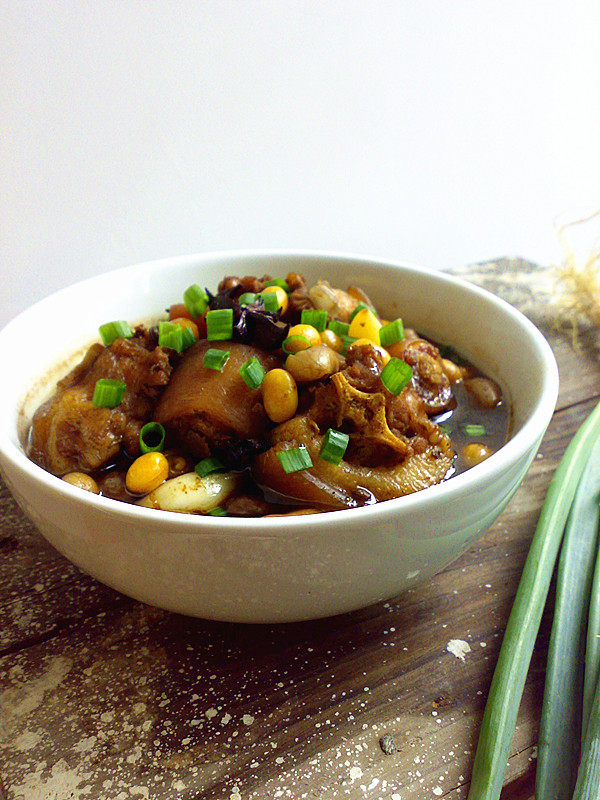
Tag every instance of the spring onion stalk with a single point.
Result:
(252, 372)
(170, 335)
(391, 333)
(588, 777)
(270, 301)
(501, 710)
(118, 329)
(317, 317)
(247, 299)
(279, 282)
(195, 300)
(346, 342)
(334, 446)
(474, 430)
(558, 750)
(360, 307)
(207, 466)
(339, 327)
(215, 358)
(592, 650)
(396, 375)
(219, 324)
(295, 459)
(152, 438)
(108, 393)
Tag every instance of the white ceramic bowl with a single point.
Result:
(273, 570)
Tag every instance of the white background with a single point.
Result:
(440, 132)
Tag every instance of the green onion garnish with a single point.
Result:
(187, 337)
(346, 342)
(108, 393)
(219, 511)
(208, 466)
(396, 375)
(360, 307)
(195, 300)
(270, 301)
(247, 299)
(474, 430)
(295, 459)
(279, 282)
(119, 329)
(170, 334)
(215, 359)
(152, 438)
(252, 372)
(334, 446)
(391, 333)
(317, 317)
(289, 345)
(339, 327)
(219, 324)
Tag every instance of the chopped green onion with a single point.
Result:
(252, 372)
(270, 301)
(473, 429)
(317, 317)
(195, 300)
(279, 282)
(295, 459)
(338, 327)
(346, 342)
(558, 751)
(219, 511)
(219, 324)
(287, 344)
(108, 393)
(360, 307)
(334, 446)
(187, 337)
(170, 335)
(391, 333)
(215, 359)
(207, 466)
(119, 329)
(247, 299)
(500, 716)
(396, 375)
(152, 438)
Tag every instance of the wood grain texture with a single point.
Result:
(104, 697)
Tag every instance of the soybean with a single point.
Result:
(147, 473)
(280, 395)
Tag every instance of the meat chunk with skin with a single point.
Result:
(70, 434)
(207, 409)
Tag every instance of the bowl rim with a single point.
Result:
(526, 438)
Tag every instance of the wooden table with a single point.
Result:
(103, 697)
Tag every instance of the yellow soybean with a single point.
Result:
(282, 298)
(280, 395)
(365, 325)
(146, 473)
(309, 333)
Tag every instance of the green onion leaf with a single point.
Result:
(252, 372)
(338, 327)
(505, 692)
(360, 307)
(170, 335)
(346, 342)
(208, 466)
(588, 777)
(396, 375)
(317, 317)
(119, 329)
(295, 459)
(215, 359)
(108, 393)
(219, 324)
(195, 300)
(334, 446)
(558, 751)
(187, 337)
(270, 301)
(288, 344)
(279, 282)
(473, 429)
(152, 438)
(219, 511)
(391, 333)
(247, 299)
